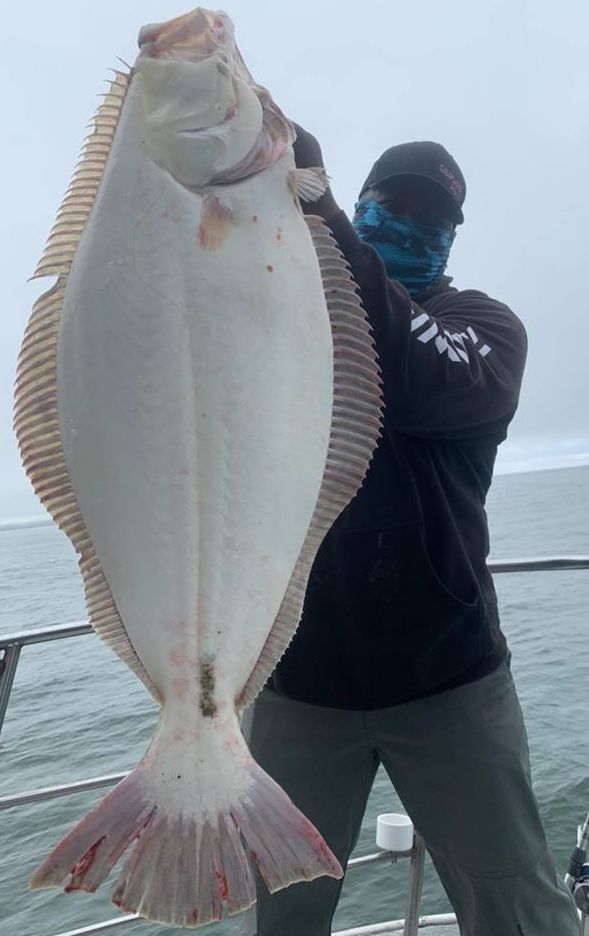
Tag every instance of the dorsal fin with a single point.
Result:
(80, 196)
(36, 418)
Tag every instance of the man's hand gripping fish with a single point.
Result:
(197, 400)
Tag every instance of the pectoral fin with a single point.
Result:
(309, 184)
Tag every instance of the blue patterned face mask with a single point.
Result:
(413, 253)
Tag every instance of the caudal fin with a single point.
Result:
(186, 869)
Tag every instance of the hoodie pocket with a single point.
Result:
(395, 610)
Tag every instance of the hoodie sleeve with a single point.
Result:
(453, 374)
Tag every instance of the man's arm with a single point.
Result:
(455, 375)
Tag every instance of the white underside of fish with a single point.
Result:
(195, 399)
(194, 365)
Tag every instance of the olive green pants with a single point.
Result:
(459, 763)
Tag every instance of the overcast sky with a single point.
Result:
(503, 85)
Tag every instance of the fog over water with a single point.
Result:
(504, 85)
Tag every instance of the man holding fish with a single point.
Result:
(202, 366)
(399, 659)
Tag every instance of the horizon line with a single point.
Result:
(31, 521)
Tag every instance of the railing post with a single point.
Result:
(415, 887)
(8, 665)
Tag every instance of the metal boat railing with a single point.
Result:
(416, 856)
(10, 649)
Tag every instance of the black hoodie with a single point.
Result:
(400, 603)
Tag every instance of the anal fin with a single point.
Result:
(355, 430)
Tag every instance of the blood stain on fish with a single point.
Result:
(214, 223)
(177, 656)
(270, 268)
(222, 882)
(80, 870)
(180, 685)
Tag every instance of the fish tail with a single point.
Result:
(284, 844)
(188, 869)
(84, 857)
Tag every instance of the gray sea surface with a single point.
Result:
(76, 711)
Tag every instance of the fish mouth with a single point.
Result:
(192, 36)
(225, 121)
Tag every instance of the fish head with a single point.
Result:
(206, 120)
(193, 35)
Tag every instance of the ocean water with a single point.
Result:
(76, 711)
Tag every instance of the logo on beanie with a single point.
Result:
(455, 185)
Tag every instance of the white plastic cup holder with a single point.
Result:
(394, 832)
